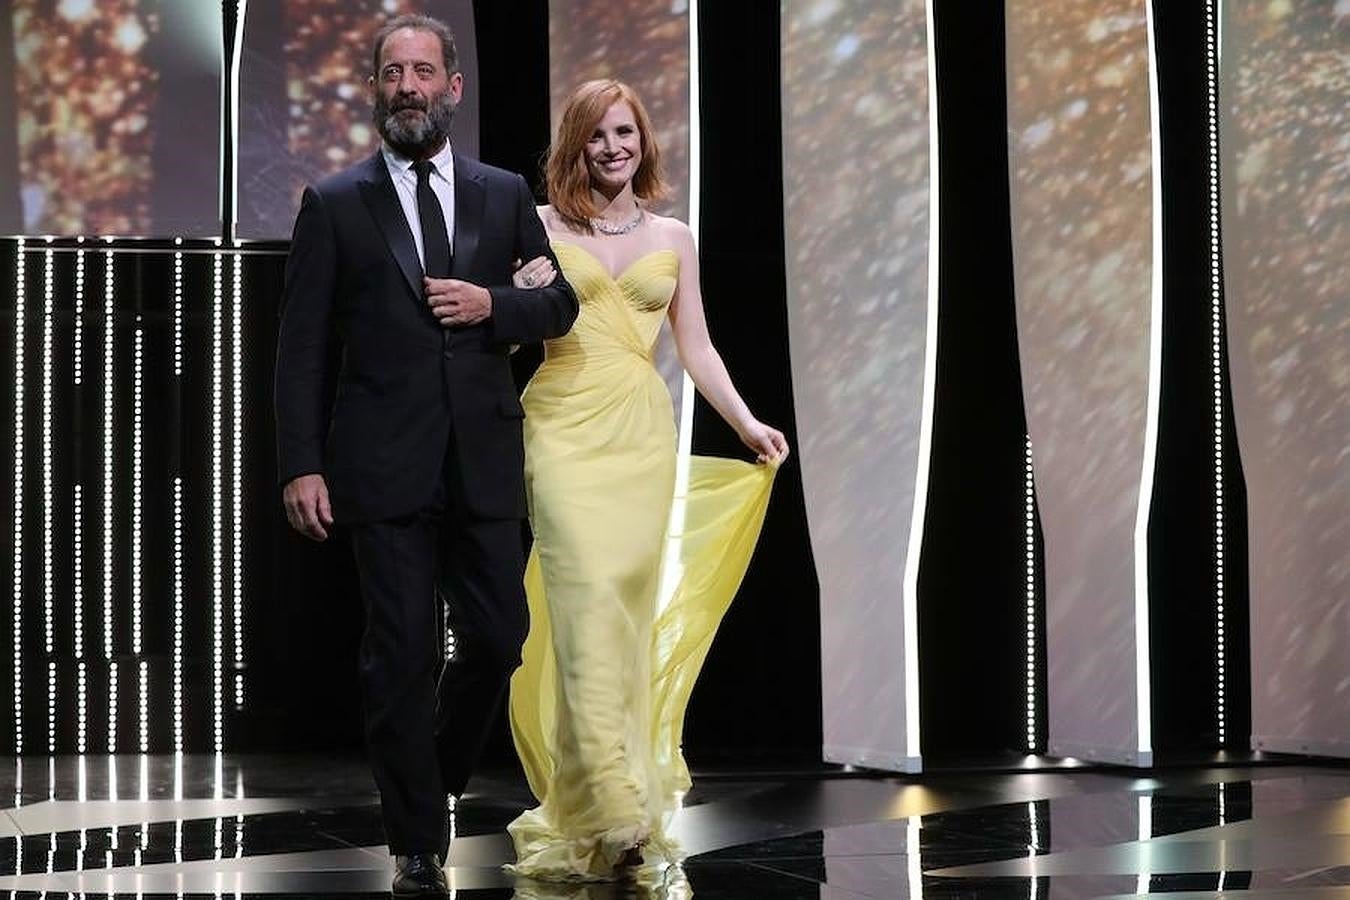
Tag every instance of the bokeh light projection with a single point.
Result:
(305, 106)
(856, 178)
(1081, 172)
(1286, 247)
(116, 118)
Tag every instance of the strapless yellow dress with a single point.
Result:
(597, 706)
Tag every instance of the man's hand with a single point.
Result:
(455, 302)
(307, 509)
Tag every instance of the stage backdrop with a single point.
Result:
(304, 104)
(1083, 200)
(110, 117)
(1286, 230)
(856, 150)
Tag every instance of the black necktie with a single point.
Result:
(435, 237)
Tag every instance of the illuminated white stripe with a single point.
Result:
(672, 568)
(914, 852)
(1143, 684)
(232, 135)
(48, 496)
(1035, 845)
(911, 584)
(109, 392)
(217, 505)
(20, 315)
(237, 475)
(1216, 363)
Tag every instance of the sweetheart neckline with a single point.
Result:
(628, 268)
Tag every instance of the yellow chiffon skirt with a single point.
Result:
(597, 707)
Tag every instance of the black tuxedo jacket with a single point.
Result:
(406, 382)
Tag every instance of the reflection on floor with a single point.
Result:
(243, 827)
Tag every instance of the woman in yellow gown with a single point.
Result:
(597, 706)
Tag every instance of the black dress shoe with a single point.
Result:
(420, 875)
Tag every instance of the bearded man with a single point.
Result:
(406, 260)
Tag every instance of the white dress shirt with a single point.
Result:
(442, 185)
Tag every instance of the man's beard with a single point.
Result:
(415, 136)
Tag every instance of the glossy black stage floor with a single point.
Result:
(148, 827)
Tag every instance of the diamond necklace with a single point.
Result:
(604, 227)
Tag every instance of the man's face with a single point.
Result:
(415, 98)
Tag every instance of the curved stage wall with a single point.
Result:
(304, 109)
(1286, 248)
(1081, 167)
(858, 220)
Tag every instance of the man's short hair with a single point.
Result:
(449, 56)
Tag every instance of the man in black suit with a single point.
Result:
(407, 258)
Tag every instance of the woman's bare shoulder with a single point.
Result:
(672, 231)
(552, 224)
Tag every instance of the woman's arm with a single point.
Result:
(701, 359)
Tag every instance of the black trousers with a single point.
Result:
(424, 738)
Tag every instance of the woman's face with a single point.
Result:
(614, 150)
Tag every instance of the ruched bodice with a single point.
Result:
(617, 313)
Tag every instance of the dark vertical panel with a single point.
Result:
(759, 694)
(514, 129)
(972, 620)
(513, 71)
(8, 324)
(1181, 525)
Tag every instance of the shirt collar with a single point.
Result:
(444, 160)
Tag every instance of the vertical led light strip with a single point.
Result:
(178, 508)
(48, 550)
(1143, 685)
(1216, 363)
(20, 314)
(910, 614)
(237, 473)
(137, 521)
(237, 370)
(77, 514)
(672, 567)
(217, 505)
(109, 346)
(1029, 539)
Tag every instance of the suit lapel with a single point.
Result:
(470, 196)
(380, 196)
